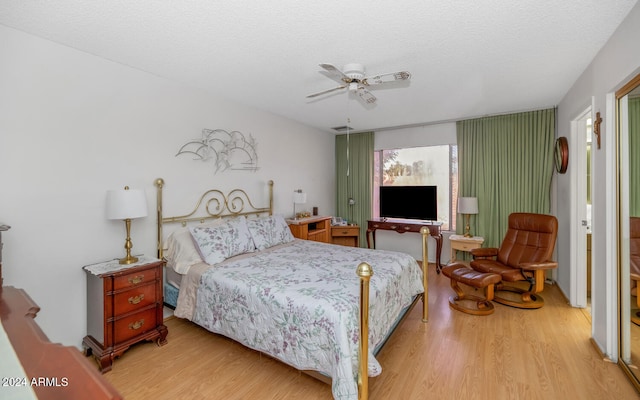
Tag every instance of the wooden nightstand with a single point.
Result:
(462, 243)
(124, 307)
(346, 235)
(312, 228)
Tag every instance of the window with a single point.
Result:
(430, 165)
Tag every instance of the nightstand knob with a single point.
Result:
(136, 279)
(136, 299)
(136, 325)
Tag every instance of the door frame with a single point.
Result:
(578, 176)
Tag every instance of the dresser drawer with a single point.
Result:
(135, 278)
(134, 299)
(134, 325)
(345, 231)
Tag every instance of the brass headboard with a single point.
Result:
(213, 204)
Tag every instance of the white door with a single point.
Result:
(581, 212)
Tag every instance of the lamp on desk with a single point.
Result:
(299, 197)
(126, 205)
(467, 206)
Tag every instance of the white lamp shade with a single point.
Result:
(126, 204)
(299, 197)
(467, 205)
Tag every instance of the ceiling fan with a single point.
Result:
(353, 78)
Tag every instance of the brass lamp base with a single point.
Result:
(129, 259)
(467, 228)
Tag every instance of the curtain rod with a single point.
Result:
(444, 121)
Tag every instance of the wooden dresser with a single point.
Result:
(124, 307)
(311, 228)
(54, 372)
(35, 367)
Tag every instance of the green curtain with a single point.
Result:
(354, 179)
(505, 161)
(634, 157)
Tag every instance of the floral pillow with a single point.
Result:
(216, 244)
(182, 252)
(269, 231)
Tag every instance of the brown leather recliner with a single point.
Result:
(524, 255)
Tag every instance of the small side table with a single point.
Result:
(124, 307)
(345, 235)
(462, 243)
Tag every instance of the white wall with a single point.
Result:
(73, 126)
(617, 61)
(428, 135)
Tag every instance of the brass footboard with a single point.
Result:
(425, 273)
(365, 272)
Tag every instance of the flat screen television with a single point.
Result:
(409, 202)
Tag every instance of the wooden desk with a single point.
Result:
(406, 225)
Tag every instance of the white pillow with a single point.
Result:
(182, 252)
(269, 231)
(216, 244)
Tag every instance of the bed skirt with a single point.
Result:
(170, 296)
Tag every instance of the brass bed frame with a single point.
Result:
(214, 204)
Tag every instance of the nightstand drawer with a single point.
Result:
(345, 231)
(466, 246)
(135, 279)
(135, 324)
(134, 299)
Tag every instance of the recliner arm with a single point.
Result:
(484, 252)
(538, 265)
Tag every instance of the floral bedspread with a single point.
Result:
(299, 303)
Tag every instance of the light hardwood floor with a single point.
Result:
(511, 354)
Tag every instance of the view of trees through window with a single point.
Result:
(418, 166)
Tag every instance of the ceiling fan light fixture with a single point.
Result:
(353, 78)
(354, 71)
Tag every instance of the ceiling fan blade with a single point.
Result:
(335, 72)
(366, 95)
(390, 77)
(326, 91)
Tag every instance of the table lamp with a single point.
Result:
(126, 205)
(467, 206)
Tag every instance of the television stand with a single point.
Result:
(406, 225)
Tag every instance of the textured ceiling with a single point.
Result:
(468, 58)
